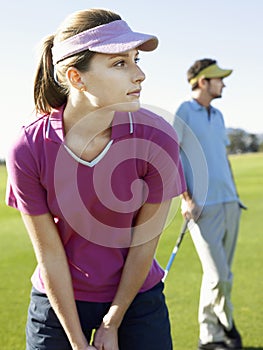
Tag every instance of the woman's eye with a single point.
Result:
(119, 64)
(122, 63)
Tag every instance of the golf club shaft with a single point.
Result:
(176, 247)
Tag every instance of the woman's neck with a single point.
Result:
(85, 119)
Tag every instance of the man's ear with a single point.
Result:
(74, 78)
(202, 82)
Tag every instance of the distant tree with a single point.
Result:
(260, 147)
(254, 143)
(238, 142)
(242, 142)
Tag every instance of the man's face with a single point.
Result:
(215, 87)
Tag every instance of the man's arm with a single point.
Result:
(242, 205)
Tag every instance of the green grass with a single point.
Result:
(17, 263)
(183, 281)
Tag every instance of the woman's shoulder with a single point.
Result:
(143, 113)
(30, 133)
(153, 121)
(35, 122)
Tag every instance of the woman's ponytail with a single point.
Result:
(48, 93)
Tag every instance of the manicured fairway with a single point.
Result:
(17, 263)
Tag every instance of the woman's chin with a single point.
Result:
(126, 106)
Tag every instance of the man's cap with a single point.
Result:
(111, 38)
(212, 71)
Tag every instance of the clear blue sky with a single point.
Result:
(227, 30)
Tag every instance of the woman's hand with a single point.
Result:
(106, 337)
(88, 347)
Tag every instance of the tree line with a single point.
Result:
(244, 142)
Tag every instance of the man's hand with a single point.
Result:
(189, 209)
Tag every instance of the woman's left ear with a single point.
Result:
(74, 78)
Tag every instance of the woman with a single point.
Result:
(93, 177)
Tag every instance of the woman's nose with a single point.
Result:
(139, 75)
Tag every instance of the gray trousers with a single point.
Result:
(214, 236)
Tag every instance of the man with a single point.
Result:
(211, 202)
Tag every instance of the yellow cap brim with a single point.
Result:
(210, 72)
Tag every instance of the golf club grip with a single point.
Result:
(183, 230)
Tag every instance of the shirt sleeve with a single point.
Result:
(24, 189)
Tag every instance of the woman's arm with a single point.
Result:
(53, 264)
(149, 225)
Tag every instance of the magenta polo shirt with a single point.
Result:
(94, 204)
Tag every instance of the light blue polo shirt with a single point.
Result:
(203, 140)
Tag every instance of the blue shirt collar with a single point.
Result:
(197, 106)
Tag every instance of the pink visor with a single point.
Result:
(111, 38)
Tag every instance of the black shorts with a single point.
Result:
(145, 325)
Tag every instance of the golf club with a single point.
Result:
(175, 250)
